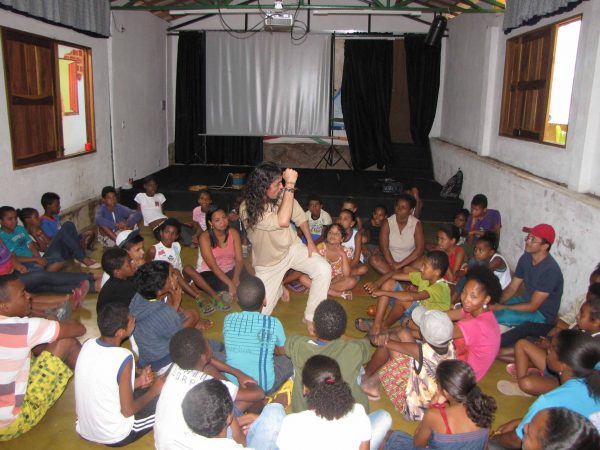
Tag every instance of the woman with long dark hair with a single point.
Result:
(457, 419)
(221, 250)
(267, 210)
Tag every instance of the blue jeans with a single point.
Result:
(66, 243)
(59, 282)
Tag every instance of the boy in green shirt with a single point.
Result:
(432, 292)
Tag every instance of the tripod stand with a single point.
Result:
(332, 156)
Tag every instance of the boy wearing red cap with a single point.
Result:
(533, 314)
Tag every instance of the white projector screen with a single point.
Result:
(267, 85)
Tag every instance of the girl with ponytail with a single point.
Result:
(575, 357)
(334, 419)
(458, 418)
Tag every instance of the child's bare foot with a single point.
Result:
(204, 324)
(370, 386)
(285, 295)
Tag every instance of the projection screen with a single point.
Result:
(267, 84)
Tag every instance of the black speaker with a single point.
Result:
(436, 31)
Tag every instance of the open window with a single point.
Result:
(49, 98)
(538, 80)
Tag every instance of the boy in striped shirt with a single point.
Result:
(29, 387)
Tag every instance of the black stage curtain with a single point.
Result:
(423, 78)
(190, 98)
(235, 150)
(191, 146)
(366, 98)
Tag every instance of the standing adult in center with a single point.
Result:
(267, 211)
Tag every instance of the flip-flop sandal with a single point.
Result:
(347, 295)
(206, 307)
(285, 389)
(363, 324)
(373, 398)
(220, 305)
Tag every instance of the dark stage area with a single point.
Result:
(331, 185)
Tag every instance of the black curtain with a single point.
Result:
(191, 144)
(366, 97)
(190, 98)
(423, 79)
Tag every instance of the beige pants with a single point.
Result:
(316, 267)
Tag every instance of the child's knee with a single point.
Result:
(389, 285)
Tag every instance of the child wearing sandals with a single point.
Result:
(530, 368)
(169, 250)
(458, 418)
(406, 368)
(432, 292)
(338, 258)
(333, 418)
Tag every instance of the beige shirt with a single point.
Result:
(271, 242)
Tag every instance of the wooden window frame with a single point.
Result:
(526, 90)
(53, 131)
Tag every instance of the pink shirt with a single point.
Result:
(225, 257)
(480, 343)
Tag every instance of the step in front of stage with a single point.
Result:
(331, 185)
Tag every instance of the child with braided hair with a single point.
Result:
(458, 418)
(334, 419)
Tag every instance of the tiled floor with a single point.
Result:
(57, 429)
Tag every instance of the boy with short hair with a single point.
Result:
(351, 204)
(330, 323)
(263, 359)
(29, 390)
(112, 217)
(372, 228)
(317, 217)
(110, 413)
(64, 235)
(432, 292)
(119, 288)
(192, 365)
(482, 219)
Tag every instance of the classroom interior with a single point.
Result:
(134, 73)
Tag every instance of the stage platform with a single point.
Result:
(332, 186)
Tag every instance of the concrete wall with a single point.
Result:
(77, 179)
(138, 80)
(529, 183)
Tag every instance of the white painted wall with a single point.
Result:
(138, 79)
(76, 179)
(529, 183)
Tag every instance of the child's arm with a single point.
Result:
(279, 350)
(396, 275)
(403, 296)
(34, 258)
(497, 263)
(424, 430)
(129, 405)
(357, 249)
(459, 259)
(70, 328)
(345, 262)
(150, 254)
(211, 262)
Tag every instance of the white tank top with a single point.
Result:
(402, 243)
(502, 274)
(171, 255)
(351, 244)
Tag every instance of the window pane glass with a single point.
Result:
(567, 38)
(72, 71)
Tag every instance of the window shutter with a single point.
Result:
(527, 73)
(31, 97)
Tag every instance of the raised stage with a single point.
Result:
(332, 185)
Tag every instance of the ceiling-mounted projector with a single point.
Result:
(278, 20)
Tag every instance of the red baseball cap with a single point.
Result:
(542, 231)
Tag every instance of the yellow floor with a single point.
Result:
(57, 429)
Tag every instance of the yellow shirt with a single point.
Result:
(439, 292)
(271, 242)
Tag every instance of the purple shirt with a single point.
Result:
(486, 223)
(110, 219)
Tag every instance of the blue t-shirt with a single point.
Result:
(573, 395)
(545, 276)
(17, 241)
(250, 340)
(50, 226)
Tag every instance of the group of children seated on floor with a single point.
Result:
(439, 323)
